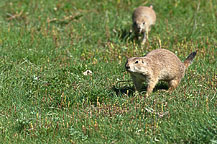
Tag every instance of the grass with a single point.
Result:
(47, 45)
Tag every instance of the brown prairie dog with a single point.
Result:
(159, 64)
(143, 18)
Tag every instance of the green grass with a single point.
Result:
(45, 46)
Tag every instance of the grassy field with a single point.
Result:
(45, 46)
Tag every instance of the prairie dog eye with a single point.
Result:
(136, 62)
(143, 23)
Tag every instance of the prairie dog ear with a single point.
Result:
(144, 62)
(151, 6)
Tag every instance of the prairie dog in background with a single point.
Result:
(143, 18)
(159, 64)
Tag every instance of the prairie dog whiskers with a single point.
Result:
(143, 18)
(159, 64)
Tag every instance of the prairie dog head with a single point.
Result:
(137, 65)
(141, 25)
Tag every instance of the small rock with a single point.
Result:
(87, 72)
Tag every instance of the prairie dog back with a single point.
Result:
(166, 63)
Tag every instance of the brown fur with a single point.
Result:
(159, 64)
(143, 18)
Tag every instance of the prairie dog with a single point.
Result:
(159, 64)
(143, 18)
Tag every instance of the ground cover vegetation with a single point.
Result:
(45, 46)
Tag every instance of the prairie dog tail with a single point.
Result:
(189, 59)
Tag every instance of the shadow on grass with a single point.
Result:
(124, 90)
(127, 35)
(130, 90)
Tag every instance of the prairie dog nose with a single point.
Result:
(127, 66)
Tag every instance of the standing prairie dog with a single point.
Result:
(143, 18)
(159, 64)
